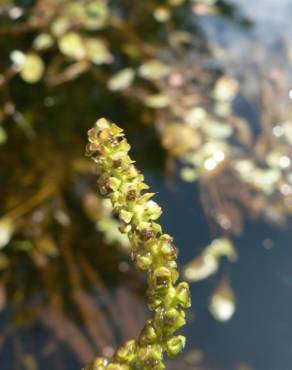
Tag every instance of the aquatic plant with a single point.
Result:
(152, 251)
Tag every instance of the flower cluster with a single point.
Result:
(152, 251)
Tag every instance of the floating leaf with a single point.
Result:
(154, 69)
(71, 44)
(96, 15)
(196, 117)
(43, 41)
(217, 130)
(157, 101)
(18, 57)
(60, 26)
(262, 179)
(223, 109)
(121, 80)
(162, 14)
(33, 68)
(201, 267)
(97, 51)
(207, 263)
(222, 247)
(222, 303)
(179, 139)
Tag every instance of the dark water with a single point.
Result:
(259, 332)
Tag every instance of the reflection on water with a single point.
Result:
(68, 296)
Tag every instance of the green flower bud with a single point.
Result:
(145, 197)
(168, 250)
(116, 130)
(128, 352)
(175, 345)
(101, 124)
(142, 185)
(159, 366)
(154, 300)
(143, 262)
(113, 183)
(148, 334)
(161, 278)
(150, 356)
(156, 228)
(126, 216)
(123, 147)
(125, 229)
(173, 319)
(183, 296)
(153, 210)
(105, 135)
(145, 231)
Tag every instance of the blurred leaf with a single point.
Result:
(33, 68)
(43, 41)
(154, 69)
(97, 51)
(156, 101)
(217, 130)
(201, 267)
(71, 44)
(121, 80)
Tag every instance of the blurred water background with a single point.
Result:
(258, 336)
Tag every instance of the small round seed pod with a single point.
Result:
(183, 296)
(150, 356)
(148, 334)
(143, 261)
(127, 353)
(175, 345)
